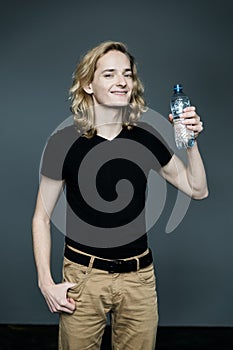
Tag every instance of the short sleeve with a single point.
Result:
(55, 152)
(154, 141)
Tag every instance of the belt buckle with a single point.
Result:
(115, 266)
(121, 266)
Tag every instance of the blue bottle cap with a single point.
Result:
(178, 88)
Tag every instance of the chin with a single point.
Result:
(118, 104)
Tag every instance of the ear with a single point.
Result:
(88, 89)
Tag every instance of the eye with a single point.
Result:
(128, 75)
(108, 75)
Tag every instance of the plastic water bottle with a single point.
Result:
(183, 137)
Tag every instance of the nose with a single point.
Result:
(121, 81)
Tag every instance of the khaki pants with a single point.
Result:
(130, 297)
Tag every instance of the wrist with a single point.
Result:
(43, 283)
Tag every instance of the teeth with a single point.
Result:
(119, 92)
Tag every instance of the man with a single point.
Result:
(107, 101)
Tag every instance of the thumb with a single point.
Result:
(71, 300)
(170, 118)
(72, 303)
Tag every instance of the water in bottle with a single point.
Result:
(183, 137)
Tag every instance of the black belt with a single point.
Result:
(118, 266)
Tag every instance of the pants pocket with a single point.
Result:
(146, 275)
(74, 273)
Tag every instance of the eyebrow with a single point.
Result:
(113, 70)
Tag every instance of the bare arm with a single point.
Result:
(55, 295)
(190, 179)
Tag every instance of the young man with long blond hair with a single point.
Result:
(107, 102)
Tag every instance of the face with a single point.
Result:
(113, 83)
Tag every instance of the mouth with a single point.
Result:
(120, 93)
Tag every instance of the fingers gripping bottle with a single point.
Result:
(183, 137)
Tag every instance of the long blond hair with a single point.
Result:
(82, 104)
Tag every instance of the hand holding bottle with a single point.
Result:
(191, 120)
(186, 122)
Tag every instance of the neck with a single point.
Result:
(108, 121)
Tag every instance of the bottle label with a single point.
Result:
(178, 106)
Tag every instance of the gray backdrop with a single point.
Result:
(173, 41)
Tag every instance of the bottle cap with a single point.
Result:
(178, 88)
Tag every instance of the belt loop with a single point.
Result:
(138, 266)
(90, 264)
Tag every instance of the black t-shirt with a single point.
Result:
(102, 209)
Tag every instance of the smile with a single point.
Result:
(119, 92)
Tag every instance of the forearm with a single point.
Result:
(42, 250)
(196, 174)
